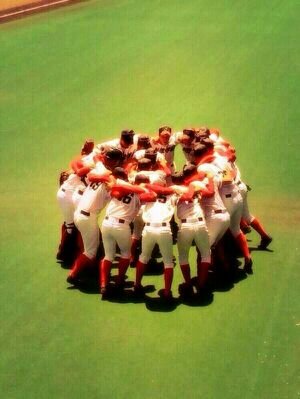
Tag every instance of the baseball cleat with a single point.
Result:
(72, 280)
(185, 290)
(104, 293)
(139, 290)
(265, 241)
(165, 296)
(248, 266)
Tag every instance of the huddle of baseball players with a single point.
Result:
(147, 203)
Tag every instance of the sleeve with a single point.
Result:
(160, 189)
(128, 189)
(149, 196)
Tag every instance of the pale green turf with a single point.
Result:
(91, 70)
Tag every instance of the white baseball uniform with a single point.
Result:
(244, 193)
(115, 226)
(64, 198)
(215, 213)
(157, 216)
(93, 200)
(230, 194)
(192, 226)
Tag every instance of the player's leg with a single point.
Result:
(69, 232)
(148, 242)
(184, 241)
(217, 225)
(88, 227)
(109, 244)
(165, 243)
(240, 237)
(138, 226)
(122, 235)
(254, 222)
(202, 243)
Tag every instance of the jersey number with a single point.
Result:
(95, 185)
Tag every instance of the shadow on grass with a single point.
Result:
(260, 249)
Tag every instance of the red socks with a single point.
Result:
(243, 245)
(122, 266)
(134, 245)
(259, 228)
(186, 272)
(202, 273)
(105, 267)
(81, 263)
(140, 269)
(168, 276)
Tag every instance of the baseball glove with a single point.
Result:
(63, 177)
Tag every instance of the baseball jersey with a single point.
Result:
(189, 209)
(126, 207)
(94, 198)
(213, 203)
(160, 211)
(72, 183)
(229, 172)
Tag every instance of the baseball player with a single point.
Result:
(249, 219)
(224, 148)
(157, 216)
(93, 200)
(192, 227)
(230, 195)
(69, 186)
(165, 143)
(121, 211)
(126, 143)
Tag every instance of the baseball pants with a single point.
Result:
(189, 232)
(89, 229)
(116, 233)
(164, 239)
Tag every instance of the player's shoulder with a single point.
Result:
(207, 168)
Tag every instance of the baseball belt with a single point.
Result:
(115, 219)
(157, 224)
(228, 195)
(85, 213)
(219, 211)
(192, 220)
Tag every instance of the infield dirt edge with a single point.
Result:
(30, 8)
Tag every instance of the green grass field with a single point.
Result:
(91, 70)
